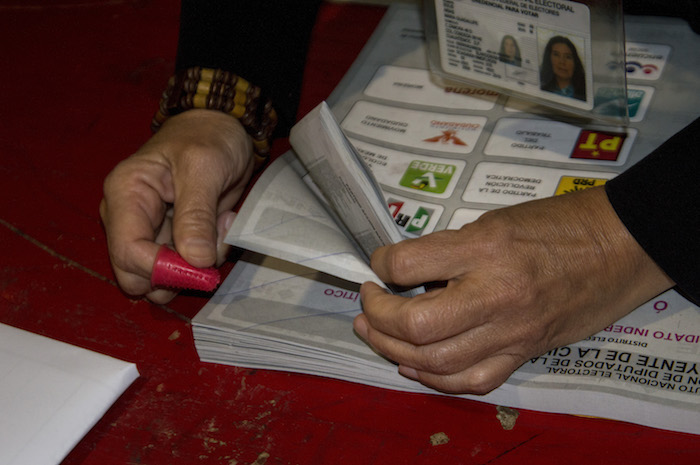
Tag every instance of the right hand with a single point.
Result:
(178, 188)
(520, 281)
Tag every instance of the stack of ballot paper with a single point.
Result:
(442, 156)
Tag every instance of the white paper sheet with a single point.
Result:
(51, 395)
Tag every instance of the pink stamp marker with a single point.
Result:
(171, 270)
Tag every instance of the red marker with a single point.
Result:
(171, 270)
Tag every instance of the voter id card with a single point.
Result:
(558, 53)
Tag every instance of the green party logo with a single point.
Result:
(428, 176)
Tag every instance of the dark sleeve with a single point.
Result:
(658, 200)
(263, 41)
(686, 9)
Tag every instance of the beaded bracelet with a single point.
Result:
(220, 90)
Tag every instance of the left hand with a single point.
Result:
(520, 280)
(179, 188)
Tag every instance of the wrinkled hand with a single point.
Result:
(178, 188)
(520, 281)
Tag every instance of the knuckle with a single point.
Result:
(400, 260)
(475, 381)
(480, 381)
(437, 361)
(132, 289)
(103, 210)
(417, 325)
(133, 176)
(131, 284)
(119, 256)
(195, 218)
(496, 234)
(114, 179)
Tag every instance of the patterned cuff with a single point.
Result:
(215, 89)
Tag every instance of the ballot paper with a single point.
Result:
(272, 314)
(288, 221)
(51, 395)
(443, 156)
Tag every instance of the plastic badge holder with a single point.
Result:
(558, 54)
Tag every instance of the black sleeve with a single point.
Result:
(686, 9)
(263, 41)
(658, 200)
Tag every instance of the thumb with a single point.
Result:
(194, 222)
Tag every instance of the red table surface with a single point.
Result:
(80, 82)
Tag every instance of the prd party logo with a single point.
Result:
(597, 145)
(569, 184)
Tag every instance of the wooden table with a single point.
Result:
(80, 82)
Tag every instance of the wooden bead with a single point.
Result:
(222, 91)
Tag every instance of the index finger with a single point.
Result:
(419, 320)
(132, 211)
(438, 256)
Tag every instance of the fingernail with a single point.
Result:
(360, 326)
(229, 221)
(223, 224)
(198, 250)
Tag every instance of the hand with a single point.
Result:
(179, 187)
(520, 281)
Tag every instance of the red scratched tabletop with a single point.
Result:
(80, 81)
